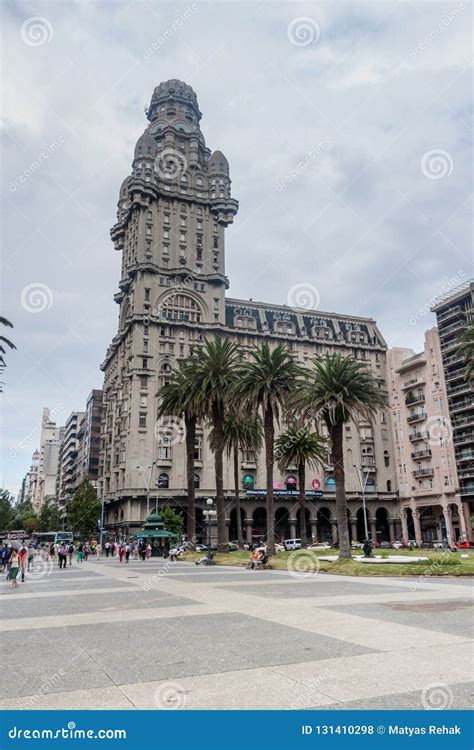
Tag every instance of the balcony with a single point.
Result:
(454, 375)
(454, 359)
(413, 381)
(465, 455)
(448, 345)
(414, 436)
(469, 420)
(426, 453)
(466, 437)
(462, 388)
(414, 398)
(461, 405)
(467, 488)
(368, 463)
(458, 326)
(452, 312)
(419, 416)
(468, 472)
(420, 473)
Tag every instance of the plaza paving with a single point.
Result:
(159, 635)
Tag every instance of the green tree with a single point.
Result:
(213, 373)
(173, 521)
(466, 348)
(49, 518)
(264, 385)
(6, 510)
(4, 340)
(24, 517)
(241, 432)
(84, 509)
(299, 446)
(336, 390)
(177, 398)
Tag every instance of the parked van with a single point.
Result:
(292, 544)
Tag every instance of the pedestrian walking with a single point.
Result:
(107, 549)
(86, 550)
(23, 560)
(148, 551)
(62, 556)
(127, 552)
(80, 552)
(31, 556)
(70, 552)
(14, 564)
(7, 553)
(98, 551)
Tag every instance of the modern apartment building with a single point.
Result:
(69, 472)
(173, 212)
(430, 505)
(454, 312)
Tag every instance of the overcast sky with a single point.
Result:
(372, 98)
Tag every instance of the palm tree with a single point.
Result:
(177, 398)
(298, 445)
(337, 390)
(265, 384)
(241, 432)
(466, 348)
(4, 340)
(212, 373)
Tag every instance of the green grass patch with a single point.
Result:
(439, 563)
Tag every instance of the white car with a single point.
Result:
(397, 545)
(291, 544)
(319, 545)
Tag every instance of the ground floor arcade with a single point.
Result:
(382, 517)
(428, 521)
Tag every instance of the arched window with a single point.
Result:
(386, 458)
(181, 307)
(163, 481)
(389, 485)
(248, 482)
(197, 481)
(370, 485)
(330, 484)
(291, 483)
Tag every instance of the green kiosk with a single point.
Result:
(154, 532)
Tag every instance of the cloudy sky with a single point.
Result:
(372, 99)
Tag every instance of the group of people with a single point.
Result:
(123, 551)
(15, 562)
(258, 558)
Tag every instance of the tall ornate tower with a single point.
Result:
(172, 214)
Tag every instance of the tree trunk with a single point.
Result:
(341, 501)
(302, 481)
(190, 423)
(219, 468)
(240, 536)
(269, 431)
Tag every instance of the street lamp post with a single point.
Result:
(147, 483)
(363, 484)
(211, 513)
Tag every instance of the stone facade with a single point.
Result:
(431, 508)
(173, 211)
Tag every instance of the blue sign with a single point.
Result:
(284, 493)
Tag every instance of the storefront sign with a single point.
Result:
(284, 493)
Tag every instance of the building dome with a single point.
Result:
(173, 91)
(218, 164)
(146, 146)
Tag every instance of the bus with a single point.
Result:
(15, 534)
(47, 538)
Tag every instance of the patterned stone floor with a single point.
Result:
(157, 635)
